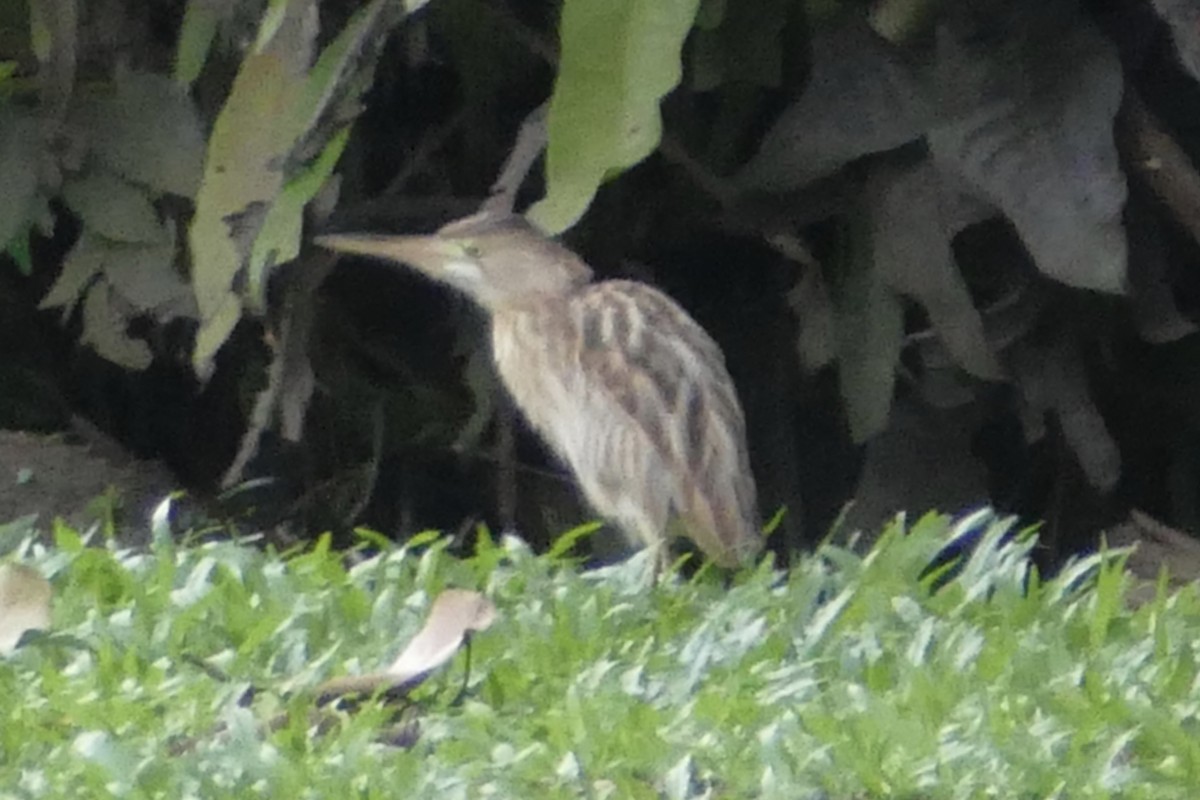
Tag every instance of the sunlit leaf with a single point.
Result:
(619, 59)
(279, 239)
(325, 85)
(243, 174)
(250, 212)
(201, 19)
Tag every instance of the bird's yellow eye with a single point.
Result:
(471, 251)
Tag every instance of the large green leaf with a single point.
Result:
(341, 59)
(870, 332)
(249, 212)
(243, 174)
(201, 20)
(619, 59)
(279, 240)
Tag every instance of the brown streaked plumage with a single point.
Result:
(615, 376)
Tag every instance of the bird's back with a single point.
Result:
(635, 396)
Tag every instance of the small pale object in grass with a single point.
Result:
(455, 615)
(24, 603)
(615, 376)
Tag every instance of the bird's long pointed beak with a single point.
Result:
(428, 253)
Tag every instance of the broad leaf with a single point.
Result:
(1183, 16)
(143, 275)
(1037, 142)
(816, 340)
(200, 22)
(83, 264)
(455, 614)
(860, 99)
(21, 150)
(113, 208)
(148, 132)
(912, 234)
(1017, 101)
(105, 320)
(250, 211)
(279, 240)
(619, 59)
(339, 63)
(243, 173)
(1052, 379)
(870, 332)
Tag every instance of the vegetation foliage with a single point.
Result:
(191, 670)
(948, 190)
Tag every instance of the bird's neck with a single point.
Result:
(533, 303)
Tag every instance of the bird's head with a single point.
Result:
(496, 260)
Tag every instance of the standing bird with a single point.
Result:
(621, 382)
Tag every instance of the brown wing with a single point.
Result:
(641, 352)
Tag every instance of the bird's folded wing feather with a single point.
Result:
(641, 350)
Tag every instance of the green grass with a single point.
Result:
(848, 677)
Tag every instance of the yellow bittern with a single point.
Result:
(621, 382)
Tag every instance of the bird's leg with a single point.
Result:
(653, 566)
(658, 564)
